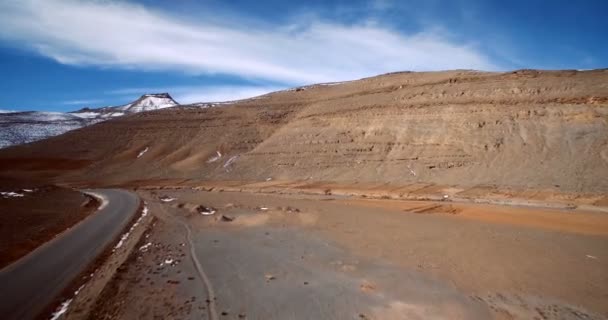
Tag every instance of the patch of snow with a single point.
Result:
(412, 172)
(100, 197)
(263, 208)
(11, 194)
(168, 261)
(141, 153)
(149, 102)
(268, 179)
(63, 308)
(145, 247)
(215, 158)
(86, 115)
(167, 199)
(125, 236)
(230, 161)
(207, 213)
(328, 84)
(28, 190)
(591, 257)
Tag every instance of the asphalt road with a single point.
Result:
(33, 282)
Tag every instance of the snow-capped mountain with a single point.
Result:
(23, 127)
(149, 102)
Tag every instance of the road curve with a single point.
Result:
(31, 283)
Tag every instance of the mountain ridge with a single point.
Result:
(19, 127)
(525, 129)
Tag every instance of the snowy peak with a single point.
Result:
(149, 102)
(29, 126)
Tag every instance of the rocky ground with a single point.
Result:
(264, 256)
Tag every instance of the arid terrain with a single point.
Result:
(300, 256)
(439, 195)
(524, 129)
(33, 214)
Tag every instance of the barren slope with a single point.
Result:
(525, 129)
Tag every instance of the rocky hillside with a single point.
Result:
(24, 127)
(527, 129)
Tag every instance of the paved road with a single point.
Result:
(30, 284)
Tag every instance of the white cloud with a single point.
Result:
(81, 102)
(125, 35)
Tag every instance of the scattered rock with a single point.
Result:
(367, 287)
(226, 218)
(269, 277)
(166, 199)
(206, 211)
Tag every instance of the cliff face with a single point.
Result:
(529, 129)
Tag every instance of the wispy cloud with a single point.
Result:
(126, 35)
(81, 102)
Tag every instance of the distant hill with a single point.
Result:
(24, 127)
(527, 129)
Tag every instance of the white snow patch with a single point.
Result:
(329, 84)
(145, 247)
(11, 194)
(28, 190)
(268, 179)
(215, 158)
(207, 213)
(412, 172)
(100, 197)
(86, 115)
(230, 161)
(113, 114)
(141, 153)
(167, 199)
(168, 261)
(263, 208)
(63, 308)
(149, 102)
(125, 236)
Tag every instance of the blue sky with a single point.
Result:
(67, 54)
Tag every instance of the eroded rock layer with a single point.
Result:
(529, 129)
